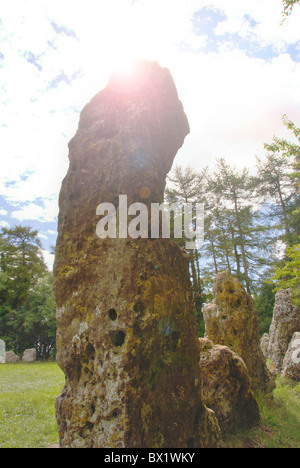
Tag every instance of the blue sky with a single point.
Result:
(236, 68)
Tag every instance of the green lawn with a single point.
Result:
(27, 414)
(27, 397)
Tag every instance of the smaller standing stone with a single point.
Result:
(11, 357)
(284, 324)
(29, 355)
(232, 320)
(291, 362)
(227, 387)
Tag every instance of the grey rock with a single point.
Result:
(291, 361)
(11, 357)
(285, 323)
(29, 355)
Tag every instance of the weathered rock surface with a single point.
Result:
(227, 387)
(264, 344)
(11, 357)
(126, 337)
(285, 323)
(29, 355)
(231, 320)
(291, 361)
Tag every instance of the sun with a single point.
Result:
(122, 66)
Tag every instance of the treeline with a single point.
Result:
(252, 224)
(27, 306)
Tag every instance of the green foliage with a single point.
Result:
(277, 189)
(27, 308)
(288, 6)
(288, 275)
(238, 239)
(264, 303)
(22, 263)
(38, 320)
(290, 152)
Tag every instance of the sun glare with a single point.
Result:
(122, 66)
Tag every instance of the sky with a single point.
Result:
(236, 67)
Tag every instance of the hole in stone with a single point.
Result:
(90, 351)
(112, 314)
(77, 371)
(118, 338)
(175, 336)
(138, 307)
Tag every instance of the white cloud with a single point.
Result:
(3, 212)
(4, 224)
(234, 102)
(42, 236)
(33, 211)
(48, 258)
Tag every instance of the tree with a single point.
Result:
(38, 318)
(234, 192)
(288, 6)
(21, 267)
(284, 159)
(264, 303)
(188, 186)
(21, 261)
(287, 157)
(288, 274)
(276, 186)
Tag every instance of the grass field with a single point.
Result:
(27, 414)
(27, 396)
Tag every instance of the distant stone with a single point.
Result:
(264, 344)
(285, 323)
(2, 352)
(232, 320)
(291, 361)
(227, 387)
(29, 355)
(11, 357)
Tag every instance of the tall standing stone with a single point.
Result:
(126, 337)
(285, 323)
(232, 320)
